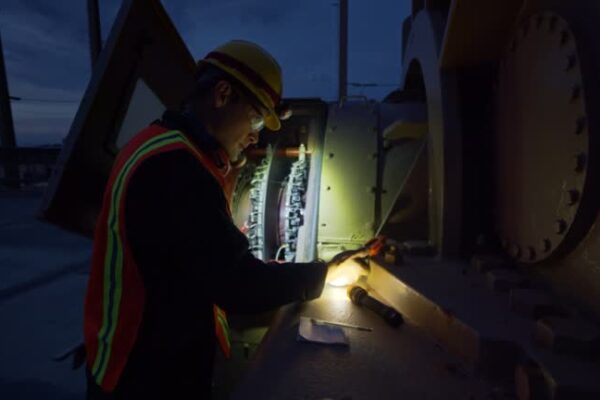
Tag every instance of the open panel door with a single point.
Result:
(143, 69)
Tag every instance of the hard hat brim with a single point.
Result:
(272, 121)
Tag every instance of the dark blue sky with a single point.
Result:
(47, 54)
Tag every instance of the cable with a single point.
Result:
(278, 253)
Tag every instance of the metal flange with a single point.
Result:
(541, 140)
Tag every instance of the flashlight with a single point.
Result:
(359, 296)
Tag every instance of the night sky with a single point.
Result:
(47, 54)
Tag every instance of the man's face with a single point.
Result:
(238, 120)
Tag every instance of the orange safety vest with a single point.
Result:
(113, 315)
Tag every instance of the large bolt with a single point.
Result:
(573, 197)
(571, 62)
(564, 38)
(560, 226)
(546, 245)
(580, 125)
(515, 250)
(575, 93)
(531, 253)
(580, 161)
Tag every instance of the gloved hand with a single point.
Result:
(347, 267)
(348, 271)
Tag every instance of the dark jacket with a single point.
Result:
(192, 256)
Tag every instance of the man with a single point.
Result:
(168, 260)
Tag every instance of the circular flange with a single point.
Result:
(541, 138)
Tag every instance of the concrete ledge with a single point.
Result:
(447, 320)
(491, 331)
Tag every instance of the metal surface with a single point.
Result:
(403, 128)
(422, 72)
(469, 316)
(576, 276)
(406, 217)
(141, 37)
(143, 108)
(542, 140)
(348, 177)
(275, 201)
(477, 31)
(386, 363)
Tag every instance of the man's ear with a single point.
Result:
(222, 94)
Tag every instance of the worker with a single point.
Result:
(168, 263)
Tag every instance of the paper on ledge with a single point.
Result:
(316, 332)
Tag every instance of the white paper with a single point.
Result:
(318, 332)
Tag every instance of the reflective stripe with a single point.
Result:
(113, 263)
(222, 330)
(225, 326)
(113, 259)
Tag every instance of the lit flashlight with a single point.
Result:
(347, 272)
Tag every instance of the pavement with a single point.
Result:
(43, 276)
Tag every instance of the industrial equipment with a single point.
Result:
(485, 158)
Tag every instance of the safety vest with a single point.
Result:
(113, 315)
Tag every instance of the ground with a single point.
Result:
(43, 274)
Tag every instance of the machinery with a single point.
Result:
(486, 153)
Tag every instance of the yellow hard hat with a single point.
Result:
(256, 69)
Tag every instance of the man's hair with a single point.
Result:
(207, 76)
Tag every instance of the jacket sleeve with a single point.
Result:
(207, 248)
